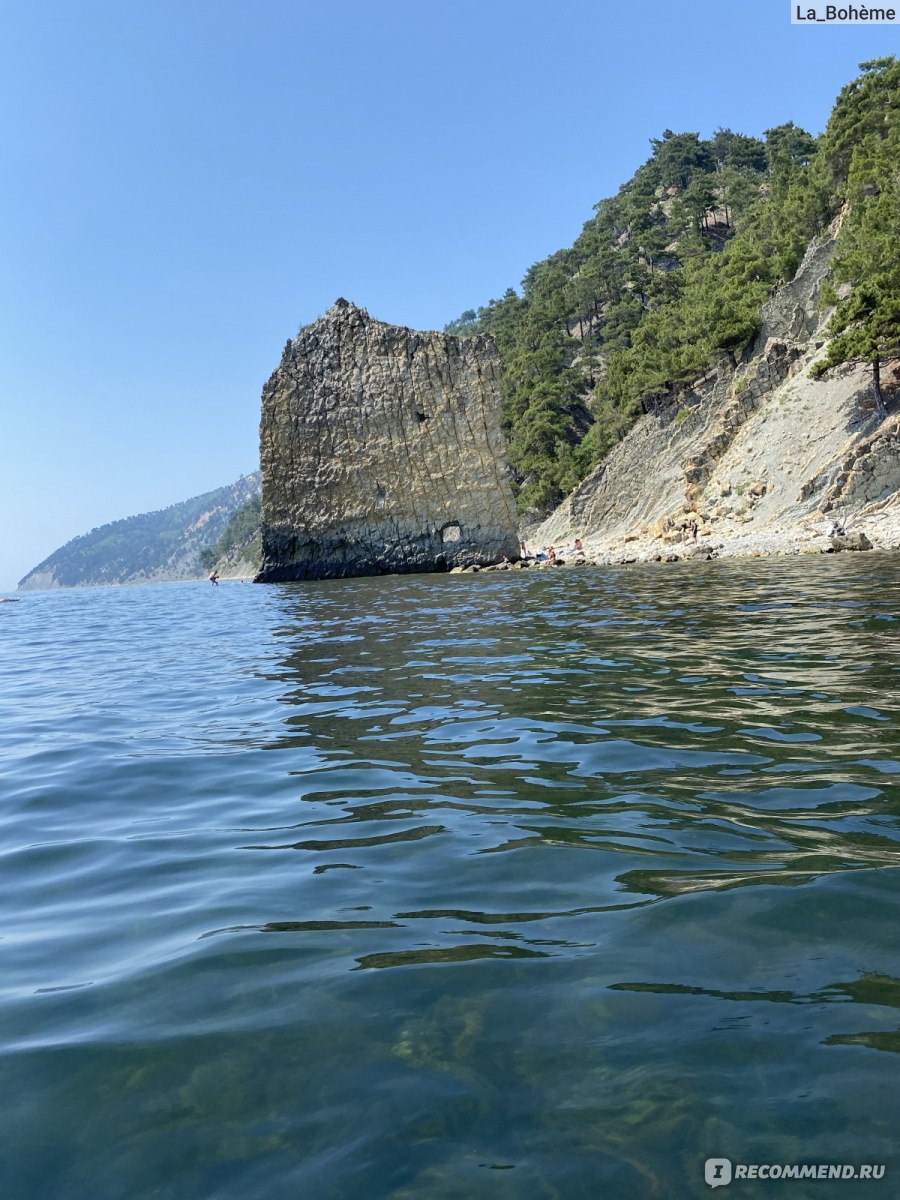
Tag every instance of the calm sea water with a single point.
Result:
(512, 886)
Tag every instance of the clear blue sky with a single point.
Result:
(186, 182)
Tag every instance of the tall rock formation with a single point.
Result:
(381, 453)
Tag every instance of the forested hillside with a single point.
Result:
(241, 539)
(155, 546)
(669, 275)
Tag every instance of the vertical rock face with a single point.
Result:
(381, 453)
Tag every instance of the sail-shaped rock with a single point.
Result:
(381, 453)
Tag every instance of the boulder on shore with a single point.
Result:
(850, 541)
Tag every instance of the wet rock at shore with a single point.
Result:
(850, 541)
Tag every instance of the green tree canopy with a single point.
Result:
(866, 323)
(669, 275)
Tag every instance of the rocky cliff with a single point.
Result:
(758, 455)
(381, 452)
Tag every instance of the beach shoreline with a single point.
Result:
(881, 530)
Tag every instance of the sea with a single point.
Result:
(561, 884)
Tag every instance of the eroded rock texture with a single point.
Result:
(381, 453)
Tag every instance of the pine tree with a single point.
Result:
(866, 323)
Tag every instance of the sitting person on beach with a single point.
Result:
(573, 551)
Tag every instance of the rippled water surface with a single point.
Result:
(515, 886)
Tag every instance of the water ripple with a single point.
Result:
(578, 878)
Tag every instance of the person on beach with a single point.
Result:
(551, 554)
(522, 550)
(214, 578)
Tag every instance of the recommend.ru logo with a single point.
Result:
(719, 1171)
